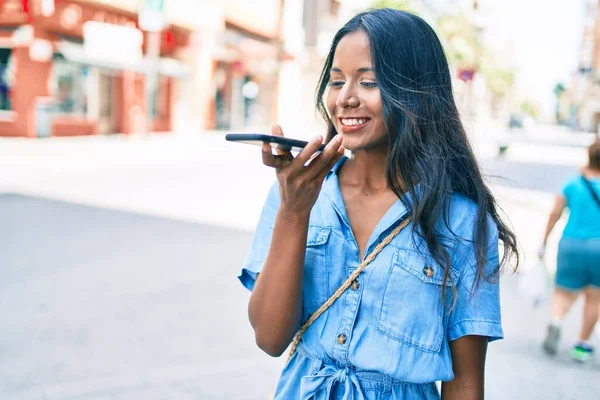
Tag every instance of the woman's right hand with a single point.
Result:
(300, 181)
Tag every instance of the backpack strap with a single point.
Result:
(591, 189)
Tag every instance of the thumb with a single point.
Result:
(276, 130)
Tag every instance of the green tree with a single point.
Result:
(462, 43)
(558, 90)
(530, 108)
(464, 48)
(499, 79)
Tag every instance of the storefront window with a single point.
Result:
(6, 79)
(223, 96)
(69, 82)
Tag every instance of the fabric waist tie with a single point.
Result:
(320, 385)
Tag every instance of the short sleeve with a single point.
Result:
(568, 188)
(262, 240)
(477, 309)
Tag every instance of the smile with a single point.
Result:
(354, 121)
(353, 124)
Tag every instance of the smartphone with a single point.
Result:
(276, 142)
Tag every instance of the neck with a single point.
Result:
(591, 172)
(366, 171)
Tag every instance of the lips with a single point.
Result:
(353, 124)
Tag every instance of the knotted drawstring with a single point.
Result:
(320, 385)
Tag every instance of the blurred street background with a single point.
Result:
(125, 215)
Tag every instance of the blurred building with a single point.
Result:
(77, 67)
(308, 28)
(74, 67)
(242, 56)
(584, 89)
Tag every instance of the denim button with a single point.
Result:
(428, 271)
(341, 339)
(355, 285)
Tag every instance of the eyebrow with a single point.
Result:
(364, 69)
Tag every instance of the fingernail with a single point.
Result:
(338, 138)
(319, 138)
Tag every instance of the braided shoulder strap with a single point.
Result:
(346, 285)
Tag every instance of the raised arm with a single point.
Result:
(276, 302)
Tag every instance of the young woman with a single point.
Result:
(578, 267)
(412, 196)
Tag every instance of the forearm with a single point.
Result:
(557, 210)
(468, 365)
(276, 303)
(456, 391)
(552, 220)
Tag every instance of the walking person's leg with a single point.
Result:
(570, 281)
(590, 312)
(597, 329)
(562, 301)
(584, 350)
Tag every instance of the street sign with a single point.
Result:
(152, 16)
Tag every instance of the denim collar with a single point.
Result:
(331, 189)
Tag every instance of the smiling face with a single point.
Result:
(353, 97)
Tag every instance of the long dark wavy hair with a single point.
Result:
(427, 142)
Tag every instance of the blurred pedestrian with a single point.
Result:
(578, 264)
(381, 269)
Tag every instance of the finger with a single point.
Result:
(322, 161)
(323, 173)
(267, 155)
(315, 155)
(282, 162)
(277, 131)
(275, 161)
(309, 150)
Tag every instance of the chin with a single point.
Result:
(354, 142)
(352, 147)
(350, 143)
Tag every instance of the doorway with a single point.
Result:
(106, 105)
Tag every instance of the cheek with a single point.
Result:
(373, 102)
(377, 105)
(377, 109)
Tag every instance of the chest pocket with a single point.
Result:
(317, 262)
(412, 309)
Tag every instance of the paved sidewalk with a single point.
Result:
(116, 284)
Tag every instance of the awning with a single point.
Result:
(166, 66)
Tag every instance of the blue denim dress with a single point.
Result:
(387, 336)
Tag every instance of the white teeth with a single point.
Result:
(353, 121)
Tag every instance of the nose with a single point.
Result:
(347, 99)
